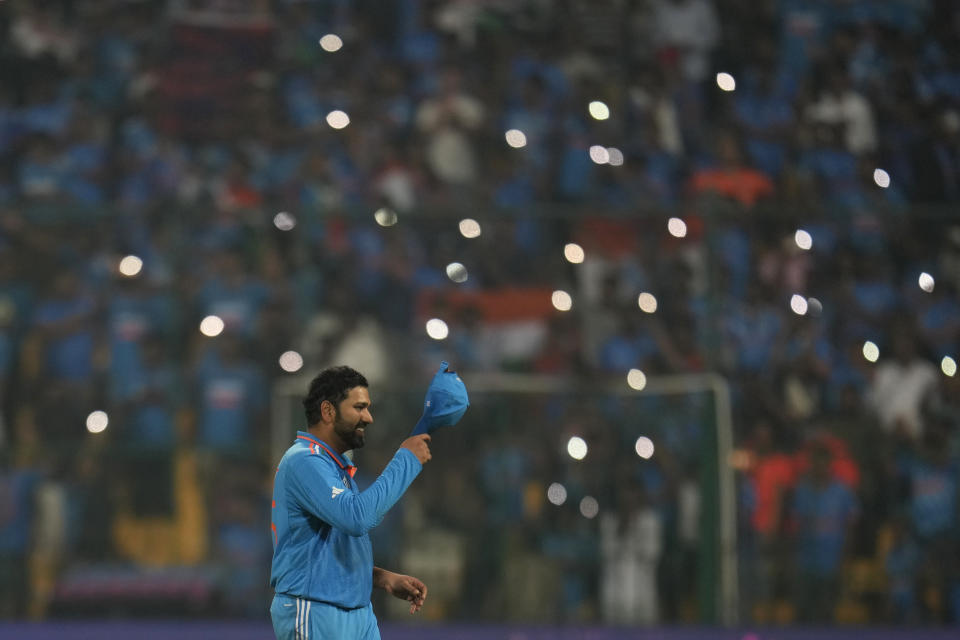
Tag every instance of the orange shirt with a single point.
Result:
(771, 476)
(744, 185)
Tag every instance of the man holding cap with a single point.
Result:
(322, 569)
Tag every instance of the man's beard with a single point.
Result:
(351, 434)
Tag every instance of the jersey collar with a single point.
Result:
(317, 446)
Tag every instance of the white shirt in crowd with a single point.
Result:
(898, 392)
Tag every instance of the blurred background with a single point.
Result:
(696, 260)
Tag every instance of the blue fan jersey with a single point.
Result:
(321, 548)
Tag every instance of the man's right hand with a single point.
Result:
(419, 445)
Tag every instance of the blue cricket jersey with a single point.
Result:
(321, 548)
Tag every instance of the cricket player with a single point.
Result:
(323, 570)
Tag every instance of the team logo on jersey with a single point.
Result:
(336, 491)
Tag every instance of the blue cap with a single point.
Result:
(445, 403)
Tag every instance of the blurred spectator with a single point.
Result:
(766, 492)
(17, 486)
(317, 184)
(83, 161)
(824, 510)
(939, 320)
(839, 104)
(933, 480)
(902, 564)
(241, 547)
(38, 32)
(651, 102)
(64, 324)
(630, 546)
(231, 400)
(826, 167)
(730, 177)
(763, 108)
(899, 388)
(342, 333)
(397, 180)
(686, 31)
(756, 332)
(40, 176)
(233, 295)
(135, 310)
(873, 297)
(804, 28)
(150, 409)
(448, 121)
(630, 347)
(152, 397)
(809, 356)
(937, 160)
(570, 542)
(14, 315)
(533, 113)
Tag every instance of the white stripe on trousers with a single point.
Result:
(301, 630)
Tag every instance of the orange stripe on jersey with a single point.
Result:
(352, 469)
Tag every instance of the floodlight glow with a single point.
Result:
(644, 447)
(636, 379)
(599, 110)
(589, 507)
(949, 366)
(871, 352)
(926, 282)
(284, 221)
(647, 302)
(799, 304)
(561, 300)
(97, 421)
(577, 448)
(677, 227)
(599, 154)
(614, 157)
(803, 239)
(291, 361)
(556, 494)
(457, 272)
(385, 217)
(338, 119)
(516, 138)
(726, 82)
(469, 228)
(331, 43)
(130, 266)
(211, 326)
(882, 178)
(437, 329)
(573, 253)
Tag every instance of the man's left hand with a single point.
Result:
(406, 588)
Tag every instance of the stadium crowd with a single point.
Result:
(781, 214)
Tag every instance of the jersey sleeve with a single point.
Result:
(314, 486)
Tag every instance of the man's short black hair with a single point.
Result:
(333, 384)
